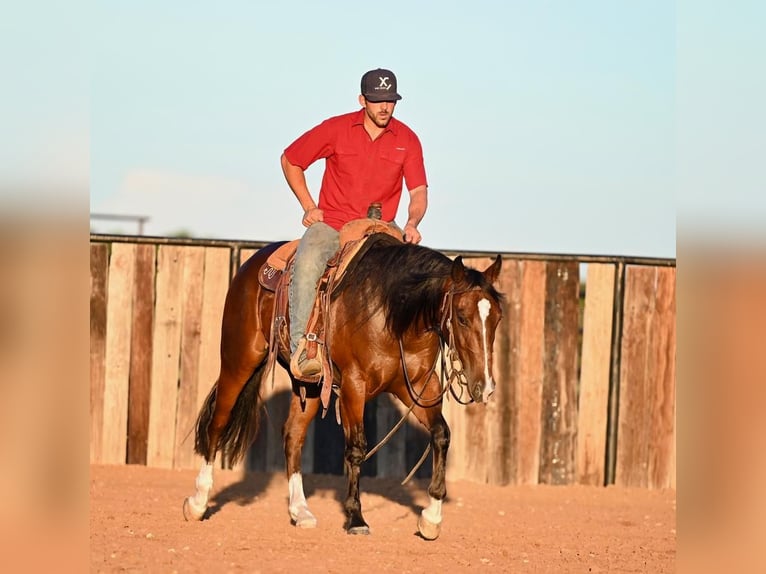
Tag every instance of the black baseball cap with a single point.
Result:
(380, 86)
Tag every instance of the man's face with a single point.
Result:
(380, 113)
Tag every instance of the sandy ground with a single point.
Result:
(136, 525)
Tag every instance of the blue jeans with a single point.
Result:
(318, 244)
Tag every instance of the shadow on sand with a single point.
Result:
(322, 460)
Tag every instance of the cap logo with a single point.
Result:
(384, 85)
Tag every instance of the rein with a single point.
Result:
(456, 377)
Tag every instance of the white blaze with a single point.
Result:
(489, 386)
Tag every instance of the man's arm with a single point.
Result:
(415, 213)
(296, 179)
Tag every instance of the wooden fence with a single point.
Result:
(586, 371)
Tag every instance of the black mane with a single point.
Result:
(407, 281)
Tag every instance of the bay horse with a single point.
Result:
(398, 308)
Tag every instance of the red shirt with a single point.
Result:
(360, 171)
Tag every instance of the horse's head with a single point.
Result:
(473, 313)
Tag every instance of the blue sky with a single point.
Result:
(562, 127)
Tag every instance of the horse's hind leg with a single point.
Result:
(301, 414)
(225, 415)
(352, 415)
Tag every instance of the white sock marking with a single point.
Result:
(297, 497)
(297, 505)
(433, 513)
(204, 484)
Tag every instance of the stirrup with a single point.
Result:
(301, 366)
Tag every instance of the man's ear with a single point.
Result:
(361, 100)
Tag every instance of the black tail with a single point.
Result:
(242, 428)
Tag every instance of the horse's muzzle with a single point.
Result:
(480, 393)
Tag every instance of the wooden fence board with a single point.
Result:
(186, 410)
(118, 335)
(141, 354)
(165, 356)
(457, 456)
(528, 371)
(500, 406)
(214, 288)
(647, 379)
(594, 374)
(216, 284)
(481, 448)
(391, 458)
(99, 260)
(559, 415)
(662, 467)
(507, 359)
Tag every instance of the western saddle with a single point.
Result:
(275, 274)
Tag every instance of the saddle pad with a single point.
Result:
(278, 260)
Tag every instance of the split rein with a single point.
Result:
(456, 378)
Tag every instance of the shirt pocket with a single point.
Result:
(347, 163)
(391, 164)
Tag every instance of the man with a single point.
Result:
(368, 154)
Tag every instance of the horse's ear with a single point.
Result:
(458, 270)
(493, 271)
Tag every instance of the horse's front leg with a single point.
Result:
(352, 415)
(430, 416)
(430, 520)
(301, 414)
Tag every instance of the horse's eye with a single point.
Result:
(462, 321)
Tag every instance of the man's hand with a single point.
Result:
(312, 215)
(411, 234)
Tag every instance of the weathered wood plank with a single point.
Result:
(214, 289)
(141, 354)
(391, 458)
(662, 464)
(528, 371)
(500, 405)
(457, 458)
(215, 286)
(559, 415)
(165, 356)
(507, 361)
(118, 336)
(479, 446)
(594, 374)
(99, 259)
(647, 379)
(191, 320)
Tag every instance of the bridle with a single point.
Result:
(450, 360)
(456, 377)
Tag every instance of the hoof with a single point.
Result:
(428, 529)
(304, 519)
(192, 512)
(359, 530)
